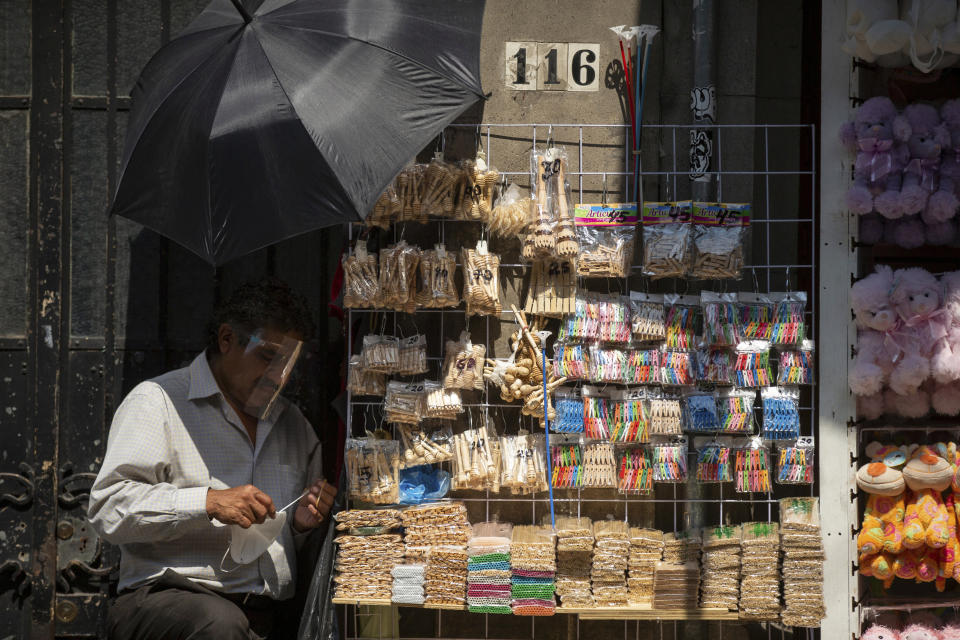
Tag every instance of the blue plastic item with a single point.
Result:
(423, 484)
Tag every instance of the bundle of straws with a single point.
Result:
(488, 568)
(533, 565)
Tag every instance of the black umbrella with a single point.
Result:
(249, 128)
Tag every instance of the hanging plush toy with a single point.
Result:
(881, 534)
(945, 364)
(922, 191)
(877, 632)
(920, 632)
(925, 521)
(880, 157)
(875, 318)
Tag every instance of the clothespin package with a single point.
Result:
(713, 460)
(714, 366)
(720, 319)
(796, 364)
(647, 317)
(752, 468)
(781, 413)
(569, 407)
(670, 460)
(634, 470)
(789, 326)
(596, 413)
(700, 414)
(665, 413)
(676, 367)
(683, 317)
(752, 368)
(599, 466)
(629, 421)
(756, 316)
(566, 461)
(570, 361)
(795, 461)
(643, 366)
(736, 410)
(607, 365)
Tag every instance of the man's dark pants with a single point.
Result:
(176, 608)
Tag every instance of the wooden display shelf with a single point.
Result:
(590, 613)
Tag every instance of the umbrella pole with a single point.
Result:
(242, 11)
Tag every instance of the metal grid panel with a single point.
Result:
(783, 248)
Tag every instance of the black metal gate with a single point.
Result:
(90, 306)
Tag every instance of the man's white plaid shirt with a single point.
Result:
(174, 437)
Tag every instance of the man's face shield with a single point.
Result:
(275, 360)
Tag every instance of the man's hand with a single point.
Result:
(244, 505)
(314, 506)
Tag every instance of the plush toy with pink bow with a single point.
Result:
(923, 191)
(880, 157)
(945, 364)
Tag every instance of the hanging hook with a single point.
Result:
(756, 281)
(603, 197)
(787, 278)
(549, 137)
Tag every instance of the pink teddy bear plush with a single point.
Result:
(917, 297)
(878, 632)
(920, 632)
(922, 190)
(880, 157)
(950, 632)
(945, 364)
(876, 320)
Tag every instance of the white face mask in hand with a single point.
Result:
(246, 545)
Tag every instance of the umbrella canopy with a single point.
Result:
(249, 128)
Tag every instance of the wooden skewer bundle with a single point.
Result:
(481, 282)
(362, 382)
(412, 356)
(381, 354)
(476, 460)
(442, 403)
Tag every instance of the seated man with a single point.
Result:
(199, 462)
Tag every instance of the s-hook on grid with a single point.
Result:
(783, 241)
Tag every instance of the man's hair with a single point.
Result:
(269, 302)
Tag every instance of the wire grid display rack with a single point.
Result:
(771, 166)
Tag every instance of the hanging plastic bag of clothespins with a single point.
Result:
(670, 460)
(437, 288)
(607, 365)
(361, 286)
(682, 322)
(719, 237)
(647, 317)
(605, 234)
(380, 354)
(413, 356)
(361, 382)
(795, 461)
(752, 468)
(566, 461)
(789, 326)
(404, 402)
(796, 364)
(714, 460)
(715, 366)
(596, 413)
(568, 404)
(552, 233)
(440, 402)
(752, 366)
(463, 364)
(422, 447)
(372, 470)
(634, 470)
(756, 316)
(481, 281)
(666, 239)
(476, 460)
(642, 366)
(736, 410)
(553, 289)
(513, 213)
(720, 321)
(398, 277)
(676, 367)
(439, 181)
(570, 360)
(781, 413)
(665, 414)
(629, 419)
(615, 320)
(524, 469)
(584, 323)
(700, 411)
(598, 465)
